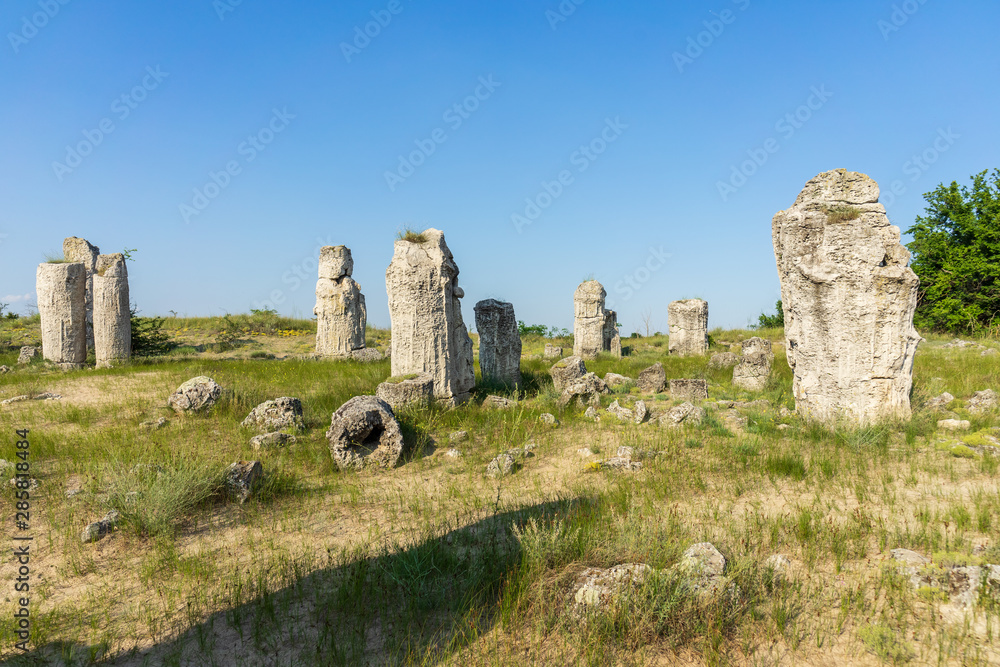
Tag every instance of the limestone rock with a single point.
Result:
(690, 389)
(684, 414)
(940, 402)
(196, 395)
(28, 353)
(367, 355)
(589, 318)
(494, 402)
(458, 436)
(611, 339)
(652, 380)
(704, 567)
(982, 401)
(281, 413)
(242, 477)
(112, 317)
(416, 388)
(779, 566)
(552, 352)
(688, 322)
(364, 432)
(591, 413)
(640, 412)
(154, 424)
(954, 424)
(6, 369)
(567, 370)
(586, 390)
(100, 528)
(616, 380)
(82, 251)
(620, 463)
(848, 296)
(597, 588)
(548, 419)
(501, 466)
(62, 291)
(271, 440)
(499, 342)
(723, 360)
(754, 368)
(428, 333)
(340, 310)
(621, 412)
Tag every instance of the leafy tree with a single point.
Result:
(530, 330)
(956, 255)
(775, 321)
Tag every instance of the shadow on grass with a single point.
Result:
(410, 605)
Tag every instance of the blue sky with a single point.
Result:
(246, 135)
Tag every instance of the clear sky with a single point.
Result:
(227, 141)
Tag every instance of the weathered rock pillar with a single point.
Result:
(80, 250)
(612, 341)
(499, 342)
(61, 289)
(340, 306)
(754, 367)
(112, 317)
(428, 332)
(688, 322)
(849, 298)
(589, 319)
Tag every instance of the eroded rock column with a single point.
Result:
(499, 342)
(340, 306)
(80, 250)
(112, 318)
(849, 298)
(612, 341)
(428, 332)
(62, 307)
(688, 322)
(589, 318)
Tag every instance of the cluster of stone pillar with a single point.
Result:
(595, 329)
(340, 311)
(83, 302)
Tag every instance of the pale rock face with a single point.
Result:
(364, 433)
(418, 389)
(754, 367)
(589, 319)
(849, 298)
(112, 318)
(552, 352)
(81, 250)
(428, 332)
(612, 341)
(689, 388)
(340, 310)
(499, 342)
(566, 370)
(62, 306)
(688, 322)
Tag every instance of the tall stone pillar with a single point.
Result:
(340, 310)
(589, 319)
(112, 316)
(499, 342)
(688, 322)
(61, 289)
(80, 250)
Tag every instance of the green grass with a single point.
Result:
(433, 563)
